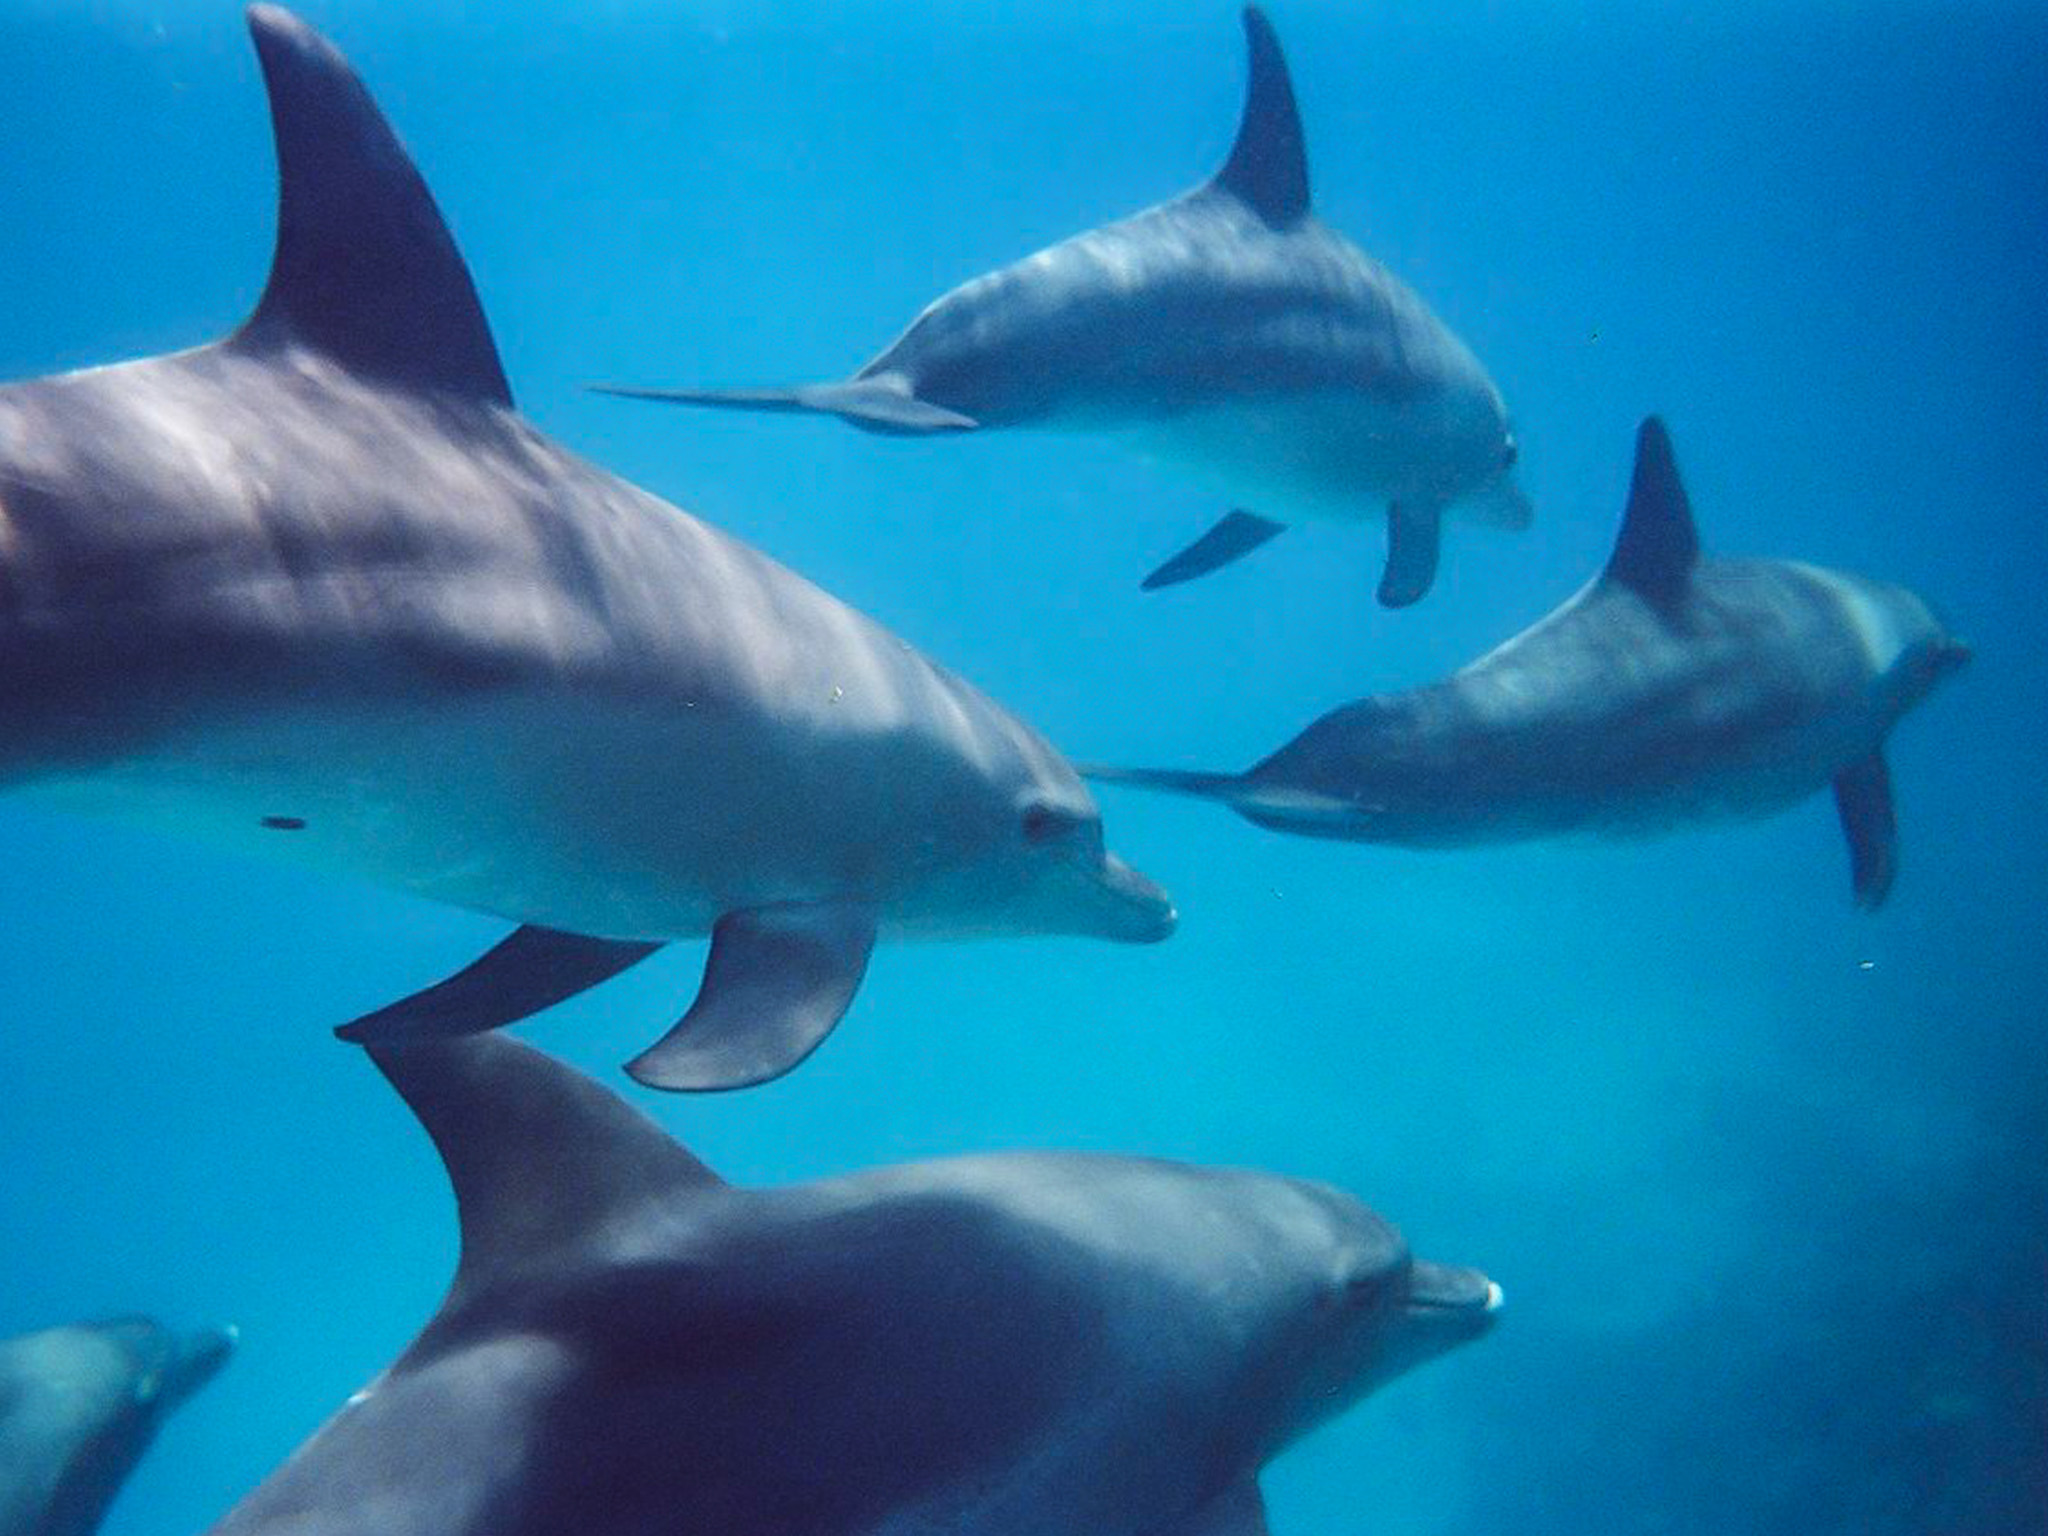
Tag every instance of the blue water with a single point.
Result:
(1765, 1179)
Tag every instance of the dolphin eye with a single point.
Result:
(1509, 454)
(1046, 824)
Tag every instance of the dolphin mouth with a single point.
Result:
(1140, 910)
(1453, 1296)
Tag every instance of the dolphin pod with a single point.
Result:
(1674, 688)
(319, 590)
(1014, 1343)
(79, 1405)
(1230, 330)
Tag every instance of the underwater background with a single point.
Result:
(1765, 1179)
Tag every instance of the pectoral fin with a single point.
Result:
(778, 980)
(1414, 540)
(1239, 1511)
(1863, 796)
(534, 968)
(1232, 539)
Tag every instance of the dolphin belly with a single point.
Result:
(1721, 749)
(468, 804)
(1338, 455)
(542, 806)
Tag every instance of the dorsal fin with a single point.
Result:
(1659, 546)
(365, 269)
(1268, 166)
(538, 1153)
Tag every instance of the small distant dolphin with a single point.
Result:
(78, 1407)
(1673, 689)
(1229, 330)
(1023, 1344)
(320, 588)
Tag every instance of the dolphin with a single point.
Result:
(1023, 1344)
(1230, 331)
(1673, 689)
(319, 589)
(78, 1407)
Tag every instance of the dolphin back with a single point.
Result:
(365, 269)
(1268, 166)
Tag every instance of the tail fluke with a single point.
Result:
(1173, 781)
(1284, 808)
(874, 405)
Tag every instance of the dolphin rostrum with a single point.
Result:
(320, 588)
(1674, 688)
(78, 1407)
(1229, 330)
(1022, 1344)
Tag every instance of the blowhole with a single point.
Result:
(285, 823)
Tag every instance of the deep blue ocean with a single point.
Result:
(1765, 1179)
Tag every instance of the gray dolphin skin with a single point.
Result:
(319, 590)
(1673, 689)
(78, 1407)
(1008, 1345)
(1228, 330)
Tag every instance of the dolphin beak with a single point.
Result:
(197, 1359)
(1137, 910)
(1457, 1303)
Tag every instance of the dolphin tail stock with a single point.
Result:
(1237, 535)
(881, 405)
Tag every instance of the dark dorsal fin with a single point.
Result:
(1268, 166)
(539, 1155)
(365, 270)
(1658, 546)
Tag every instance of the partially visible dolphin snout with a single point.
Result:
(1462, 1299)
(1137, 909)
(1145, 906)
(199, 1358)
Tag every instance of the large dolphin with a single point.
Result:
(1022, 1344)
(1229, 330)
(78, 1407)
(319, 588)
(1672, 689)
